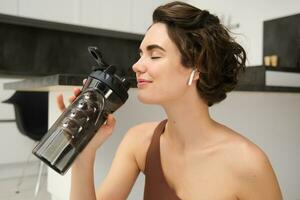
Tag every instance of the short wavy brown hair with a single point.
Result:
(205, 44)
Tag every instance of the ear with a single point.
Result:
(197, 75)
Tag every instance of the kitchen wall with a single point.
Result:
(250, 15)
(271, 120)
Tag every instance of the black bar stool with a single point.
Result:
(31, 111)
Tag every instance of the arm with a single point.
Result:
(119, 180)
(123, 172)
(82, 178)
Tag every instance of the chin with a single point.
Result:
(147, 99)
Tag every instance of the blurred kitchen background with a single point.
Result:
(265, 107)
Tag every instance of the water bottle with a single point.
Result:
(103, 93)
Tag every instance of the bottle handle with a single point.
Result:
(94, 51)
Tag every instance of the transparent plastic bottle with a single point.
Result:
(103, 93)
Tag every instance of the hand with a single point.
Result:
(103, 132)
(60, 98)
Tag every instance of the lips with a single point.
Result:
(142, 82)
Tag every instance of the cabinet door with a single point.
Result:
(141, 16)
(112, 14)
(9, 7)
(14, 147)
(6, 110)
(66, 11)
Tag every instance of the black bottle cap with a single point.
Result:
(106, 74)
(115, 83)
(110, 70)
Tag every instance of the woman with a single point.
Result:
(187, 63)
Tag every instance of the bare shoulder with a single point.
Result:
(142, 132)
(140, 137)
(252, 168)
(247, 154)
(250, 157)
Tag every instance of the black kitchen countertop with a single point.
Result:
(46, 83)
(247, 83)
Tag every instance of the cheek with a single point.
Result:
(173, 89)
(165, 88)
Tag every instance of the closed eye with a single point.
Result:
(155, 57)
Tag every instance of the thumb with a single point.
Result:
(110, 122)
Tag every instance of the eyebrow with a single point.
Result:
(151, 47)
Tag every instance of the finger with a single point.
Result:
(72, 98)
(110, 120)
(60, 102)
(84, 81)
(76, 91)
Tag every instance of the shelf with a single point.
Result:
(255, 79)
(283, 69)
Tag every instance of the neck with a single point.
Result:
(189, 123)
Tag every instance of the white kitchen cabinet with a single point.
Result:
(141, 16)
(112, 15)
(6, 110)
(9, 7)
(14, 147)
(66, 11)
(133, 16)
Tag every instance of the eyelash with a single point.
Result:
(152, 57)
(155, 57)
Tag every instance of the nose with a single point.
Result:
(139, 67)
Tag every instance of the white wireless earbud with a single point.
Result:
(191, 77)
